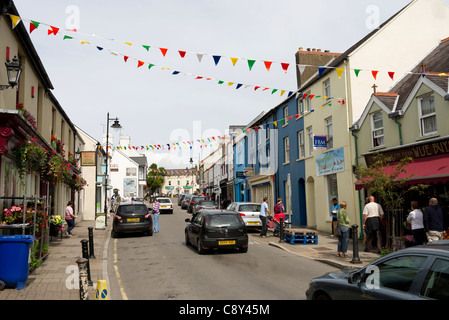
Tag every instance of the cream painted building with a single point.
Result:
(44, 118)
(396, 46)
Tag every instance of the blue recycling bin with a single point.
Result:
(14, 260)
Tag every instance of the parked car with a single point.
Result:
(216, 229)
(204, 204)
(416, 273)
(166, 206)
(180, 198)
(186, 201)
(249, 211)
(193, 201)
(133, 216)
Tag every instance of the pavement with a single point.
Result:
(57, 277)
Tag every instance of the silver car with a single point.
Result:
(204, 204)
(249, 212)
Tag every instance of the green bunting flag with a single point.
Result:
(251, 63)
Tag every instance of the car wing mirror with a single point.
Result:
(187, 220)
(355, 278)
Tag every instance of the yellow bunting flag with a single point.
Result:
(340, 72)
(234, 61)
(15, 20)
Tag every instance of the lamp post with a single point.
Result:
(13, 70)
(191, 164)
(115, 125)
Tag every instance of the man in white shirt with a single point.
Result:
(264, 213)
(372, 214)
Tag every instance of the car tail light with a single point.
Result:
(191, 202)
(117, 218)
(199, 208)
(241, 214)
(148, 216)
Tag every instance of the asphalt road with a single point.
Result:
(162, 267)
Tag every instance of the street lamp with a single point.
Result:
(115, 125)
(191, 168)
(13, 70)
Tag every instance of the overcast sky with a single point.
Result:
(153, 105)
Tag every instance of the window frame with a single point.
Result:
(329, 133)
(427, 116)
(373, 130)
(286, 149)
(301, 145)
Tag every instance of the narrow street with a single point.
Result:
(162, 267)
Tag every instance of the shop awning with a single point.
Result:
(427, 170)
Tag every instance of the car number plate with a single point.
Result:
(163, 207)
(133, 219)
(223, 243)
(253, 222)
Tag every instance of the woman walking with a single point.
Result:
(343, 224)
(70, 219)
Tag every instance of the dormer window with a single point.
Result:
(427, 115)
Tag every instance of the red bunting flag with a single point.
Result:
(374, 72)
(164, 51)
(256, 87)
(33, 25)
(296, 116)
(140, 63)
(126, 58)
(391, 74)
(182, 53)
(285, 66)
(267, 65)
(53, 30)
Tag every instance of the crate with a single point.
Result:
(304, 239)
(300, 232)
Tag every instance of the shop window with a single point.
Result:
(377, 129)
(427, 115)
(332, 189)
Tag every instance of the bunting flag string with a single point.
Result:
(140, 63)
(53, 30)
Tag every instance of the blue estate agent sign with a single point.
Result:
(319, 142)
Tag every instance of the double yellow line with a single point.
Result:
(117, 274)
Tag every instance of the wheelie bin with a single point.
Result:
(14, 260)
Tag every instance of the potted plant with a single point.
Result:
(56, 224)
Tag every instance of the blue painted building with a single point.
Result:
(242, 193)
(290, 176)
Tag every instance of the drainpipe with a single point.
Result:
(353, 129)
(395, 116)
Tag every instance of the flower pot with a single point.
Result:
(53, 230)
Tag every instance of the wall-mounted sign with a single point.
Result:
(330, 162)
(88, 158)
(319, 142)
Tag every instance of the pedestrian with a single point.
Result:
(343, 225)
(433, 219)
(415, 217)
(279, 207)
(372, 215)
(334, 210)
(264, 213)
(156, 206)
(70, 219)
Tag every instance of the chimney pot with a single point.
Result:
(301, 48)
(308, 49)
(313, 49)
(319, 50)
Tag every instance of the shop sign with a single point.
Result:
(88, 158)
(330, 162)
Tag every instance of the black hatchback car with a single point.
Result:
(132, 216)
(417, 273)
(216, 229)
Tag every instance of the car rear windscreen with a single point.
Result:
(133, 209)
(249, 208)
(224, 220)
(207, 203)
(164, 200)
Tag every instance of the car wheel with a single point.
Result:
(149, 232)
(114, 234)
(199, 247)
(187, 239)
(321, 296)
(243, 249)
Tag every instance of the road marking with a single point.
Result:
(117, 274)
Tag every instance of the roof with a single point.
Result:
(141, 161)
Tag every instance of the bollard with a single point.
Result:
(101, 293)
(86, 256)
(82, 269)
(91, 243)
(281, 229)
(355, 243)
